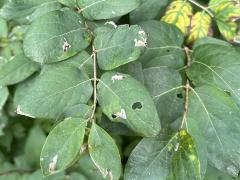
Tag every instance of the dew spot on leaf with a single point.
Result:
(53, 164)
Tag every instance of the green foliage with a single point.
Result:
(119, 89)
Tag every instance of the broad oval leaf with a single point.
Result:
(27, 10)
(151, 158)
(56, 156)
(119, 46)
(124, 99)
(164, 45)
(166, 92)
(56, 36)
(106, 9)
(16, 70)
(57, 88)
(213, 122)
(104, 153)
(185, 162)
(216, 63)
(179, 13)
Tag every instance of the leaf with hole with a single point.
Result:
(124, 99)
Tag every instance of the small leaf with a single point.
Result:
(117, 95)
(151, 158)
(57, 88)
(3, 96)
(106, 9)
(16, 70)
(200, 26)
(119, 46)
(104, 153)
(53, 37)
(28, 10)
(148, 10)
(57, 156)
(179, 13)
(185, 162)
(213, 122)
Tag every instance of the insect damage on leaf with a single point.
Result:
(117, 77)
(19, 111)
(121, 114)
(111, 23)
(66, 45)
(53, 164)
(142, 42)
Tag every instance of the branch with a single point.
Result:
(202, 7)
(94, 83)
(187, 88)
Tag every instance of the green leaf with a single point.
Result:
(80, 110)
(124, 99)
(166, 92)
(213, 122)
(16, 70)
(34, 144)
(106, 9)
(28, 10)
(3, 96)
(185, 162)
(148, 10)
(164, 45)
(53, 37)
(57, 88)
(3, 28)
(57, 156)
(104, 153)
(69, 3)
(151, 158)
(216, 63)
(119, 46)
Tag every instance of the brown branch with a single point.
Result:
(187, 88)
(94, 84)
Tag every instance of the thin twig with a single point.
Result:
(202, 7)
(187, 88)
(94, 84)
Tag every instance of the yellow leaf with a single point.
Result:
(200, 26)
(179, 13)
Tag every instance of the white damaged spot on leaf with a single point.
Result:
(111, 23)
(83, 148)
(66, 45)
(176, 147)
(53, 164)
(19, 111)
(142, 42)
(117, 77)
(121, 114)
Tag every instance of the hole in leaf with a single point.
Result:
(137, 105)
(180, 95)
(114, 116)
(227, 92)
